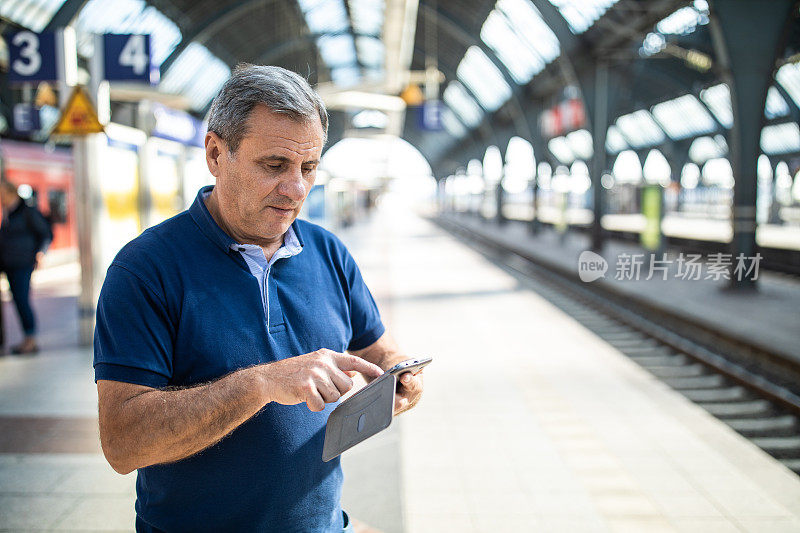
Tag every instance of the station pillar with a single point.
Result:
(747, 65)
(599, 101)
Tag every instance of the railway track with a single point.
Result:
(765, 411)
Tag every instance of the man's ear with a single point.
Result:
(216, 148)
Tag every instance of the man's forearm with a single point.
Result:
(161, 426)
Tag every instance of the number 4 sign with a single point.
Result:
(128, 58)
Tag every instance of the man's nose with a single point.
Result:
(293, 186)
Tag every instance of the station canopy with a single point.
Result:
(495, 66)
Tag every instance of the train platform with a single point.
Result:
(671, 287)
(529, 421)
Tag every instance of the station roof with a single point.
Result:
(503, 61)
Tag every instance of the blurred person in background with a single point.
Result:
(221, 332)
(24, 236)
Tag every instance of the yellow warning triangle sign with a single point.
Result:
(79, 116)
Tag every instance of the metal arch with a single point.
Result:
(65, 14)
(287, 47)
(461, 34)
(212, 24)
(794, 109)
(466, 38)
(570, 43)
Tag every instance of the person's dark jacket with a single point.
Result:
(23, 233)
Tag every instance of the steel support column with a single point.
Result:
(748, 66)
(600, 102)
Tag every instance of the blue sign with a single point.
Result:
(430, 115)
(31, 57)
(177, 126)
(315, 203)
(128, 57)
(26, 118)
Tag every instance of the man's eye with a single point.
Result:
(274, 167)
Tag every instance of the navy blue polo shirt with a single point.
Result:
(179, 307)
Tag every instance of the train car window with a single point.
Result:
(57, 202)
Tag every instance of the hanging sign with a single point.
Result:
(79, 116)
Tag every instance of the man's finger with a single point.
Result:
(410, 382)
(400, 404)
(351, 362)
(328, 391)
(314, 401)
(341, 380)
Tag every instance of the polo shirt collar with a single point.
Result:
(293, 240)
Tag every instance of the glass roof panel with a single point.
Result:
(580, 142)
(459, 100)
(370, 118)
(640, 129)
(559, 147)
(197, 73)
(370, 51)
(615, 142)
(781, 139)
(704, 148)
(683, 117)
(581, 14)
(453, 126)
(126, 16)
(718, 100)
(367, 16)
(337, 50)
(31, 14)
(345, 75)
(527, 23)
(776, 105)
(789, 78)
(685, 20)
(522, 62)
(325, 16)
(484, 79)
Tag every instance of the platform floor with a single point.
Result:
(529, 421)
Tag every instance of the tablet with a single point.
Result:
(365, 413)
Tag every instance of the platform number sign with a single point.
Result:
(128, 58)
(32, 57)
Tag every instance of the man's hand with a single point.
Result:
(385, 353)
(409, 391)
(315, 378)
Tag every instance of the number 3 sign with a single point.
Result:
(32, 57)
(128, 58)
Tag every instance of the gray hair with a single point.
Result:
(281, 90)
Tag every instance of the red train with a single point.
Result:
(48, 173)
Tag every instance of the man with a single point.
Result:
(24, 234)
(221, 332)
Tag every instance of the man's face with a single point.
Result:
(261, 187)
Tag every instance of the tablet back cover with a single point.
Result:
(367, 412)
